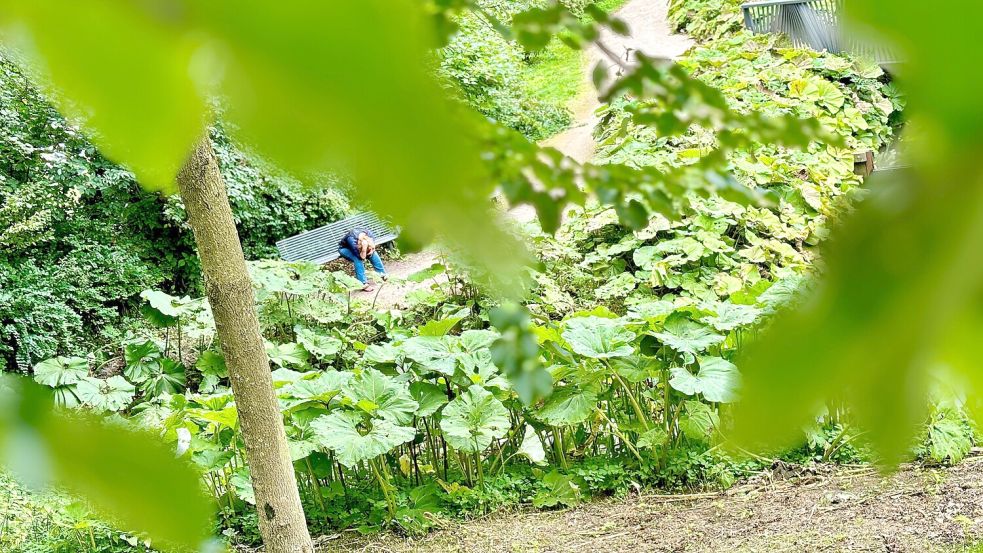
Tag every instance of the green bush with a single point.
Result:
(80, 238)
(489, 73)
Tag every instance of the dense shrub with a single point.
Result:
(79, 239)
(489, 69)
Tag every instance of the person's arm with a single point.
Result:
(350, 242)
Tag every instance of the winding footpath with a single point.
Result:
(651, 35)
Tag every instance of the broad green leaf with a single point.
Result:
(242, 483)
(427, 274)
(618, 287)
(428, 396)
(381, 354)
(287, 355)
(645, 257)
(141, 360)
(435, 353)
(321, 346)
(783, 292)
(475, 340)
(730, 316)
(532, 447)
(98, 53)
(167, 304)
(948, 439)
(166, 376)
(560, 490)
(473, 420)
(636, 368)
(224, 417)
(651, 439)
(283, 376)
(61, 371)
(113, 394)
(829, 95)
(107, 464)
(688, 247)
(381, 396)
(598, 337)
(687, 336)
(699, 421)
(211, 362)
(301, 449)
(62, 374)
(567, 405)
(439, 327)
(717, 379)
(345, 435)
(212, 459)
(323, 387)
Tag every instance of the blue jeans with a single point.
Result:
(360, 265)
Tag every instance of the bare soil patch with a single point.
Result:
(916, 509)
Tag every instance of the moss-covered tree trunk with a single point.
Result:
(230, 293)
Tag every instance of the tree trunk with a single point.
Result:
(230, 293)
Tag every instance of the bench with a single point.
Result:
(813, 24)
(320, 245)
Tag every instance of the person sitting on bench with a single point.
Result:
(357, 246)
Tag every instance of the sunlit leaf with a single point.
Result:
(340, 432)
(473, 420)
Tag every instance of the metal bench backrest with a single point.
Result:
(811, 24)
(321, 244)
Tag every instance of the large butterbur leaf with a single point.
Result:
(381, 396)
(568, 405)
(345, 434)
(429, 397)
(473, 420)
(687, 336)
(434, 353)
(61, 371)
(112, 394)
(598, 337)
(717, 380)
(63, 375)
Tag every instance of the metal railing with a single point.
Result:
(812, 24)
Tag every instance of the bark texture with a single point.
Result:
(230, 293)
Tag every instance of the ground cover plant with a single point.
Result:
(621, 368)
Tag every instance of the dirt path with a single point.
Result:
(848, 510)
(650, 34)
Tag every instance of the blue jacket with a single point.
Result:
(350, 240)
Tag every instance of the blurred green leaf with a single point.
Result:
(124, 72)
(128, 475)
(902, 272)
(313, 86)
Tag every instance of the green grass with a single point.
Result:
(556, 75)
(609, 5)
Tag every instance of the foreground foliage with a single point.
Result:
(631, 358)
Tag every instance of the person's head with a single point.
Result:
(365, 243)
